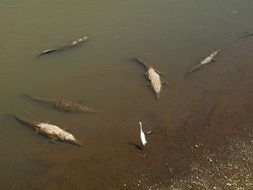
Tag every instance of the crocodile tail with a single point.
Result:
(25, 120)
(47, 51)
(142, 62)
(194, 69)
(26, 96)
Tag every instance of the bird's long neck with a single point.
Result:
(140, 126)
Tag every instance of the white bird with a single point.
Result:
(142, 135)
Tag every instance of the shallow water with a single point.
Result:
(198, 112)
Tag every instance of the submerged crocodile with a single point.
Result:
(154, 78)
(63, 104)
(49, 130)
(246, 35)
(68, 45)
(204, 62)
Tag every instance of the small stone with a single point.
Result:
(209, 159)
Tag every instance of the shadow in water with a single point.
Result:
(139, 147)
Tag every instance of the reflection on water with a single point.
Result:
(202, 110)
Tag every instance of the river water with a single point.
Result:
(199, 123)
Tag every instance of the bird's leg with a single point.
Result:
(165, 83)
(159, 72)
(148, 132)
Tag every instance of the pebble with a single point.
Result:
(209, 159)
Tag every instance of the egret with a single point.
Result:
(142, 135)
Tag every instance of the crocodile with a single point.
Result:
(246, 35)
(63, 104)
(48, 130)
(153, 76)
(65, 46)
(204, 62)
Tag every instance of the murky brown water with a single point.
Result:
(206, 116)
